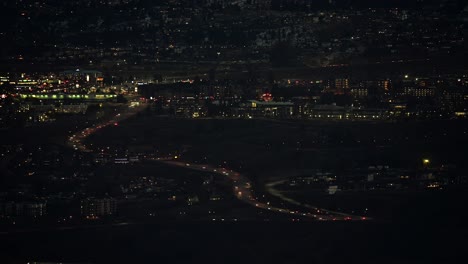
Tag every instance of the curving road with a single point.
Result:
(242, 189)
(270, 187)
(77, 140)
(242, 186)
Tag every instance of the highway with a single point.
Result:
(242, 186)
(270, 187)
(242, 189)
(77, 139)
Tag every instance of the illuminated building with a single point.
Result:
(92, 207)
(4, 79)
(23, 84)
(341, 85)
(270, 109)
(339, 112)
(419, 91)
(26, 209)
(90, 97)
(359, 92)
(329, 111)
(386, 85)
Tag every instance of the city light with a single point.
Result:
(127, 137)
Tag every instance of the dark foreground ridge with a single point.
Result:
(254, 242)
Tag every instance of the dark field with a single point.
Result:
(253, 242)
(262, 147)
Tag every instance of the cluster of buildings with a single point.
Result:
(30, 98)
(90, 208)
(212, 31)
(379, 178)
(95, 207)
(409, 97)
(22, 209)
(67, 191)
(174, 44)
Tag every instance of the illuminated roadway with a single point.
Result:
(242, 186)
(76, 140)
(270, 187)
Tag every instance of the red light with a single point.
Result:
(116, 124)
(267, 97)
(363, 218)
